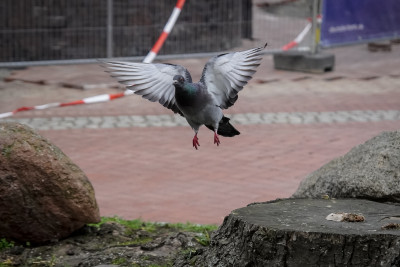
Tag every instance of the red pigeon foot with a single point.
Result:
(216, 139)
(195, 141)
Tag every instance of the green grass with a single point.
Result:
(203, 239)
(5, 244)
(7, 263)
(190, 227)
(119, 261)
(138, 224)
(131, 224)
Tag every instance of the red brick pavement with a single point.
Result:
(155, 174)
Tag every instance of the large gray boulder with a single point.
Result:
(43, 195)
(370, 170)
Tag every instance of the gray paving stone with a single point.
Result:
(168, 124)
(267, 117)
(390, 115)
(124, 119)
(309, 117)
(180, 121)
(135, 118)
(239, 118)
(81, 121)
(92, 126)
(295, 118)
(325, 117)
(123, 124)
(140, 124)
(69, 118)
(254, 118)
(281, 117)
(95, 120)
(105, 122)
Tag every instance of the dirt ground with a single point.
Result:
(113, 243)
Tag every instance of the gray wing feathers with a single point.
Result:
(151, 81)
(225, 75)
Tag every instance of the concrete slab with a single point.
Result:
(305, 62)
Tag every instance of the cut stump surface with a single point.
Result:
(296, 232)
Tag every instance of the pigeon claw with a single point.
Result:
(195, 141)
(216, 139)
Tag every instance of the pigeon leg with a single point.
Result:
(216, 139)
(195, 141)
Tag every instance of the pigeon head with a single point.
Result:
(179, 80)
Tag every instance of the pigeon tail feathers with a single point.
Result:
(225, 128)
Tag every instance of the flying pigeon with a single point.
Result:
(200, 103)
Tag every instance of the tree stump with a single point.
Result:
(296, 232)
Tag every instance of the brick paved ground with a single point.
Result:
(155, 174)
(291, 124)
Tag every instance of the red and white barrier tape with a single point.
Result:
(299, 38)
(88, 100)
(107, 97)
(167, 29)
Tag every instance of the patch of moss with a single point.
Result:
(6, 151)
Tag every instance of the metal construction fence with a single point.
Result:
(34, 31)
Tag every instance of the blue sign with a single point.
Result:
(356, 21)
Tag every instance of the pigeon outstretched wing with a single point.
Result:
(225, 75)
(153, 82)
